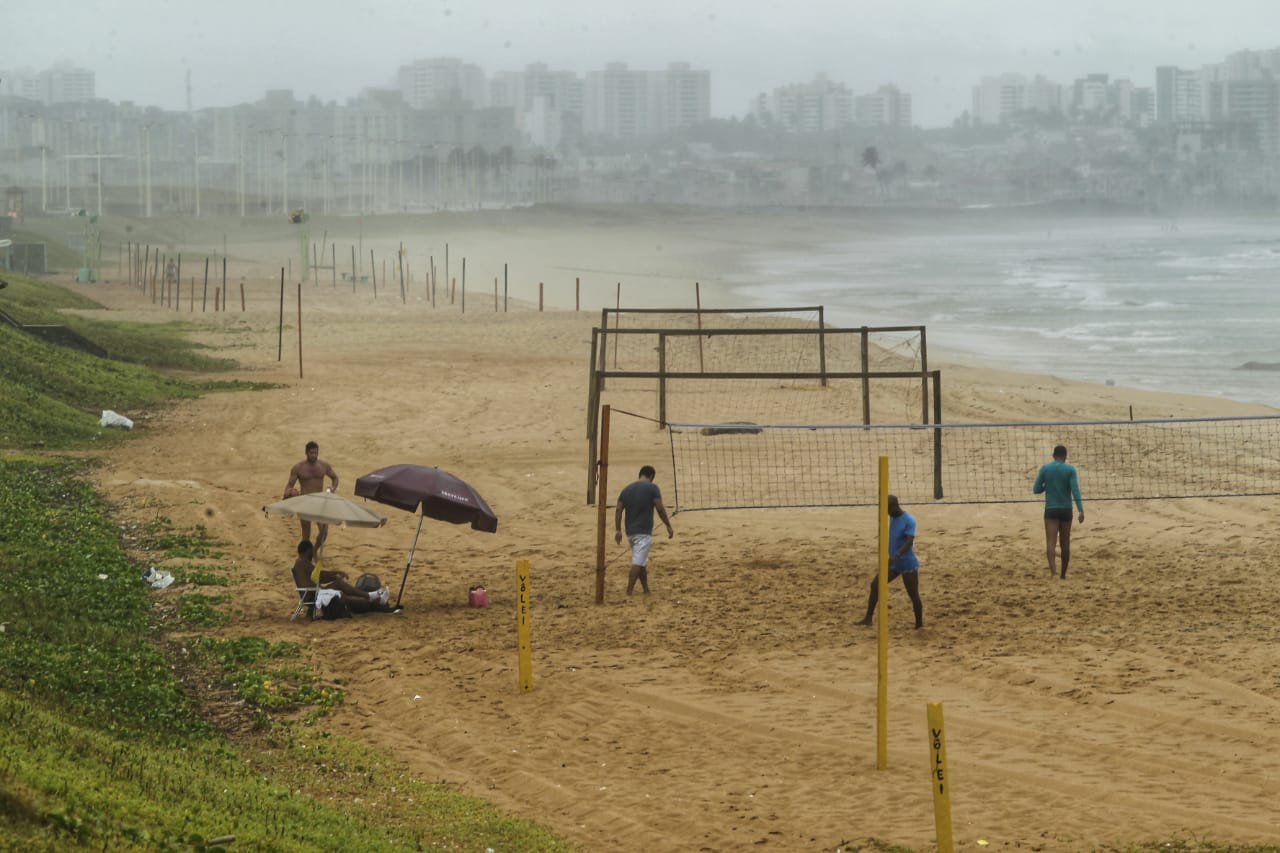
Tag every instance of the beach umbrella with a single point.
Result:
(326, 508)
(430, 492)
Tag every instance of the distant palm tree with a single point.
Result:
(871, 160)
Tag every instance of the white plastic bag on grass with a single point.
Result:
(111, 419)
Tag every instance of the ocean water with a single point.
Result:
(1154, 304)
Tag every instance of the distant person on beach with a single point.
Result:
(638, 501)
(902, 562)
(308, 475)
(335, 583)
(1058, 482)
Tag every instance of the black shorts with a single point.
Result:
(1058, 514)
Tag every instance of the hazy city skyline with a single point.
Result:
(935, 51)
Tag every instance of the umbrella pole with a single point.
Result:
(315, 573)
(412, 548)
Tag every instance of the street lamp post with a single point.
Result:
(195, 167)
(284, 171)
(97, 150)
(324, 187)
(146, 129)
(240, 174)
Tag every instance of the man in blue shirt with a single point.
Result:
(902, 561)
(1058, 482)
(638, 501)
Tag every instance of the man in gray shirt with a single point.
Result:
(638, 501)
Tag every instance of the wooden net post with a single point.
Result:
(602, 505)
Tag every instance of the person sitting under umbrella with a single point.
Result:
(335, 583)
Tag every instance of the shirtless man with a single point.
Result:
(309, 476)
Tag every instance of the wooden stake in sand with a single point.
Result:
(280, 325)
(299, 330)
(697, 297)
(400, 261)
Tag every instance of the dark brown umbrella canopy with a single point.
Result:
(438, 494)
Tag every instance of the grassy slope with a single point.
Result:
(101, 745)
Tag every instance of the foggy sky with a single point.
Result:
(935, 50)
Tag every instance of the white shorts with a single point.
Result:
(640, 545)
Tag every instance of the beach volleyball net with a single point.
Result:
(770, 365)
(740, 465)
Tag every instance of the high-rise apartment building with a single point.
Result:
(807, 107)
(618, 102)
(1179, 95)
(548, 105)
(442, 82)
(886, 106)
(996, 99)
(625, 103)
(62, 84)
(686, 95)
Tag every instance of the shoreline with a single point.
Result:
(650, 256)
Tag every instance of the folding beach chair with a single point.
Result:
(306, 601)
(308, 596)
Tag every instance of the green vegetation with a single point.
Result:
(123, 724)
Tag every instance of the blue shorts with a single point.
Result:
(1058, 514)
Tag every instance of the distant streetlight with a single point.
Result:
(284, 171)
(146, 136)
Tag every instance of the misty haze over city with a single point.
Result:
(236, 50)
(244, 108)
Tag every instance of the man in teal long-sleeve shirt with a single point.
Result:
(1058, 482)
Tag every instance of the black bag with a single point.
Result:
(337, 608)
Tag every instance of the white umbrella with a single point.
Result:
(326, 508)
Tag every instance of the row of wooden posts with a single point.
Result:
(149, 270)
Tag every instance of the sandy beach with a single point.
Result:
(736, 705)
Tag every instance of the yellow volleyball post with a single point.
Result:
(938, 779)
(882, 618)
(522, 625)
